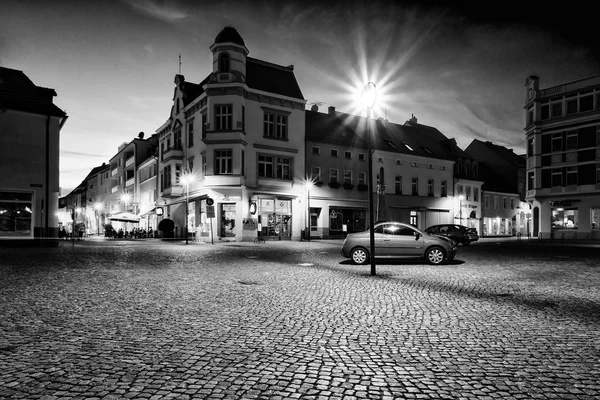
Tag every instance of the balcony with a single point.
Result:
(115, 171)
(172, 154)
(114, 189)
(224, 180)
(130, 182)
(129, 161)
(172, 191)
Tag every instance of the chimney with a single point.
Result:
(413, 119)
(331, 110)
(314, 108)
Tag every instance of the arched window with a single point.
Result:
(224, 63)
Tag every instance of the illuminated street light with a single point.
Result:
(186, 179)
(368, 97)
(126, 199)
(309, 184)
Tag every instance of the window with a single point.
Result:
(347, 176)
(408, 146)
(571, 176)
(380, 159)
(565, 218)
(415, 186)
(362, 177)
(467, 192)
(557, 109)
(177, 173)
(316, 150)
(333, 175)
(545, 111)
(475, 194)
(444, 189)
(512, 204)
(333, 153)
(166, 178)
(414, 164)
(572, 141)
(556, 177)
(530, 148)
(430, 188)
(390, 143)
(203, 126)
(203, 165)
(361, 156)
(274, 167)
(223, 117)
(223, 161)
(348, 155)
(243, 163)
(586, 103)
(530, 181)
(275, 125)
(315, 174)
(224, 63)
(487, 201)
(459, 189)
(496, 201)
(398, 162)
(190, 134)
(557, 142)
(398, 185)
(597, 173)
(16, 214)
(177, 140)
(504, 203)
(571, 106)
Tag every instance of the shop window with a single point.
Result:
(595, 216)
(336, 220)
(565, 218)
(15, 214)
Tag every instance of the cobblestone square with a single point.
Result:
(294, 320)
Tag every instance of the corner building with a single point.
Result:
(240, 134)
(562, 130)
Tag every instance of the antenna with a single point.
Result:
(179, 63)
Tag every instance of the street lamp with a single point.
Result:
(126, 198)
(98, 206)
(368, 96)
(460, 199)
(309, 184)
(186, 179)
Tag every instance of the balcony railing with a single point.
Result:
(129, 161)
(114, 171)
(129, 181)
(114, 189)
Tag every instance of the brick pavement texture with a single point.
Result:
(154, 320)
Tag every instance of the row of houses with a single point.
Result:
(241, 156)
(243, 140)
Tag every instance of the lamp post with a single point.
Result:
(460, 199)
(98, 206)
(309, 183)
(369, 94)
(186, 179)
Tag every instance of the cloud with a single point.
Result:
(167, 11)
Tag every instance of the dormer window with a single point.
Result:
(224, 63)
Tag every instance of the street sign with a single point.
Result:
(210, 201)
(210, 211)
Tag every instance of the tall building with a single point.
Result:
(30, 125)
(562, 130)
(231, 153)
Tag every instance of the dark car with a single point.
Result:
(458, 233)
(398, 240)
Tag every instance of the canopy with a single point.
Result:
(125, 217)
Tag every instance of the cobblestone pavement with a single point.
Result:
(293, 320)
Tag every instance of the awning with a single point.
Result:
(125, 217)
(150, 211)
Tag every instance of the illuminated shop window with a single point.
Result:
(565, 218)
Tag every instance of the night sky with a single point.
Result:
(457, 66)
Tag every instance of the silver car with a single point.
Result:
(398, 240)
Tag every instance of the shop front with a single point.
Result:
(274, 218)
(346, 220)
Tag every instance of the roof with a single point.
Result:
(349, 130)
(434, 134)
(500, 151)
(494, 182)
(229, 35)
(18, 92)
(272, 78)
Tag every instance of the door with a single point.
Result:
(400, 241)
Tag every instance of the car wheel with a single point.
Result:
(359, 256)
(435, 255)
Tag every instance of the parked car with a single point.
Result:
(398, 240)
(459, 233)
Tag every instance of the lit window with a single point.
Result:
(408, 146)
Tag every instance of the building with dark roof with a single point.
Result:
(30, 125)
(240, 133)
(562, 130)
(413, 174)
